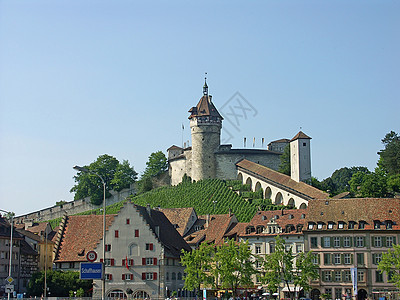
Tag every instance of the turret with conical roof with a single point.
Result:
(205, 127)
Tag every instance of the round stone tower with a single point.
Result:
(205, 128)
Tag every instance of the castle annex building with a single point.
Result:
(207, 158)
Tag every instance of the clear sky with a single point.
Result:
(83, 78)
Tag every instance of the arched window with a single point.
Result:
(248, 182)
(140, 295)
(291, 202)
(240, 177)
(133, 250)
(179, 276)
(303, 206)
(258, 186)
(278, 198)
(117, 294)
(173, 277)
(268, 193)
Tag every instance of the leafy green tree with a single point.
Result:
(115, 175)
(198, 264)
(390, 264)
(390, 156)
(234, 265)
(59, 283)
(282, 267)
(156, 164)
(284, 167)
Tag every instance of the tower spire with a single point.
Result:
(205, 87)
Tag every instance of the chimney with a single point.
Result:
(207, 220)
(230, 212)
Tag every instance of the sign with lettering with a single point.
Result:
(91, 271)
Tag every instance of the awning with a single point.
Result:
(298, 289)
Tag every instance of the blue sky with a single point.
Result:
(79, 79)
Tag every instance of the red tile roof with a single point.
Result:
(204, 108)
(281, 180)
(179, 217)
(300, 135)
(81, 234)
(355, 209)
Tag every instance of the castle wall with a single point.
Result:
(180, 167)
(71, 208)
(226, 161)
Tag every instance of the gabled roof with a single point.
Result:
(204, 108)
(281, 180)
(179, 217)
(355, 209)
(168, 236)
(5, 230)
(174, 147)
(280, 141)
(26, 249)
(81, 234)
(300, 135)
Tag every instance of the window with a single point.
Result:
(378, 276)
(167, 276)
(351, 225)
(258, 249)
(319, 226)
(346, 276)
(127, 262)
(346, 241)
(340, 225)
(330, 225)
(315, 258)
(108, 262)
(310, 226)
(360, 259)
(271, 248)
(179, 276)
(136, 232)
(326, 241)
(108, 248)
(148, 261)
(377, 241)
(258, 264)
(338, 293)
(359, 241)
(149, 276)
(336, 259)
(377, 225)
(127, 277)
(389, 224)
(149, 246)
(314, 242)
(173, 276)
(360, 276)
(327, 276)
(116, 233)
(328, 291)
(361, 225)
(108, 277)
(299, 248)
(327, 258)
(376, 258)
(389, 241)
(347, 258)
(338, 276)
(128, 221)
(288, 248)
(336, 242)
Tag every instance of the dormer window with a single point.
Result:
(250, 229)
(361, 225)
(302, 216)
(260, 229)
(320, 225)
(310, 226)
(351, 225)
(340, 225)
(330, 225)
(389, 224)
(377, 224)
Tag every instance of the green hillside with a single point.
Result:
(209, 196)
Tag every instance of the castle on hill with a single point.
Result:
(207, 158)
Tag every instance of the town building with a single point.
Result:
(352, 234)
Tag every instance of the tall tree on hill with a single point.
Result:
(117, 176)
(284, 167)
(156, 164)
(390, 156)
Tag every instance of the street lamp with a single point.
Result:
(11, 244)
(103, 280)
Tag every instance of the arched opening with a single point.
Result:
(258, 186)
(278, 198)
(315, 293)
(248, 182)
(240, 177)
(133, 250)
(268, 193)
(303, 206)
(117, 294)
(140, 295)
(362, 294)
(291, 203)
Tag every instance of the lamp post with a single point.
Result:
(11, 244)
(103, 280)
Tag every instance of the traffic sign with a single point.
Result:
(91, 271)
(9, 279)
(9, 288)
(91, 256)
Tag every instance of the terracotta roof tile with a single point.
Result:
(204, 108)
(179, 217)
(282, 180)
(81, 234)
(355, 209)
(300, 135)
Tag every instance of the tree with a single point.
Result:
(281, 266)
(59, 283)
(198, 264)
(390, 264)
(115, 175)
(284, 167)
(156, 164)
(234, 265)
(390, 156)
